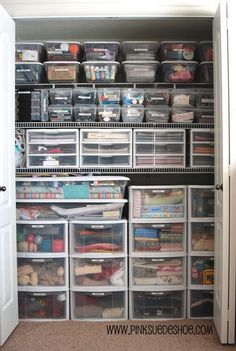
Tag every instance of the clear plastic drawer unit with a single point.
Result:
(52, 148)
(202, 148)
(201, 202)
(200, 304)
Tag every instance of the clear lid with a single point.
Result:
(177, 62)
(101, 42)
(91, 63)
(29, 43)
(178, 42)
(25, 63)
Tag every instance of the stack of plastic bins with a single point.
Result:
(201, 251)
(157, 252)
(161, 148)
(98, 256)
(105, 148)
(202, 148)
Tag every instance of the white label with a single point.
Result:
(85, 114)
(83, 97)
(61, 69)
(29, 55)
(157, 98)
(144, 49)
(99, 49)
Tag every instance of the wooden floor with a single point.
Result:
(87, 336)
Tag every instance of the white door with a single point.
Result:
(222, 181)
(8, 285)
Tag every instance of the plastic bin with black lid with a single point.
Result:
(139, 50)
(140, 71)
(60, 96)
(100, 71)
(101, 50)
(178, 50)
(85, 113)
(84, 96)
(63, 50)
(157, 97)
(205, 51)
(29, 52)
(62, 71)
(178, 71)
(205, 72)
(29, 73)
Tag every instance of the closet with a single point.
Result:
(193, 171)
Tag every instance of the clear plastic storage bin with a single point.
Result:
(108, 96)
(139, 50)
(132, 96)
(140, 71)
(157, 97)
(101, 50)
(63, 50)
(183, 98)
(85, 113)
(205, 98)
(200, 304)
(29, 52)
(178, 71)
(201, 270)
(182, 115)
(205, 51)
(201, 202)
(84, 96)
(29, 73)
(109, 113)
(156, 114)
(60, 96)
(62, 71)
(205, 72)
(60, 113)
(201, 236)
(100, 71)
(133, 113)
(178, 50)
(202, 148)
(205, 115)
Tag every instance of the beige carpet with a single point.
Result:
(86, 336)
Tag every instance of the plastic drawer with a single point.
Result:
(63, 50)
(157, 272)
(60, 113)
(106, 161)
(100, 71)
(101, 50)
(159, 97)
(177, 50)
(132, 96)
(43, 305)
(178, 71)
(157, 202)
(49, 149)
(67, 188)
(201, 202)
(41, 272)
(159, 305)
(159, 238)
(159, 136)
(159, 161)
(205, 72)
(108, 96)
(40, 237)
(139, 50)
(205, 98)
(29, 52)
(29, 73)
(109, 113)
(201, 271)
(84, 96)
(85, 113)
(183, 98)
(98, 238)
(97, 306)
(205, 51)
(98, 272)
(140, 71)
(202, 135)
(205, 115)
(201, 237)
(106, 135)
(33, 211)
(60, 96)
(200, 304)
(160, 149)
(62, 71)
(182, 115)
(156, 114)
(52, 161)
(133, 113)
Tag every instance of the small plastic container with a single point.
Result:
(182, 115)
(29, 73)
(29, 52)
(84, 96)
(157, 114)
(63, 50)
(100, 71)
(132, 96)
(205, 51)
(178, 50)
(139, 50)
(109, 96)
(178, 71)
(101, 50)
(205, 98)
(85, 113)
(205, 72)
(133, 114)
(205, 115)
(183, 98)
(60, 113)
(60, 96)
(140, 71)
(62, 71)
(109, 113)
(157, 97)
